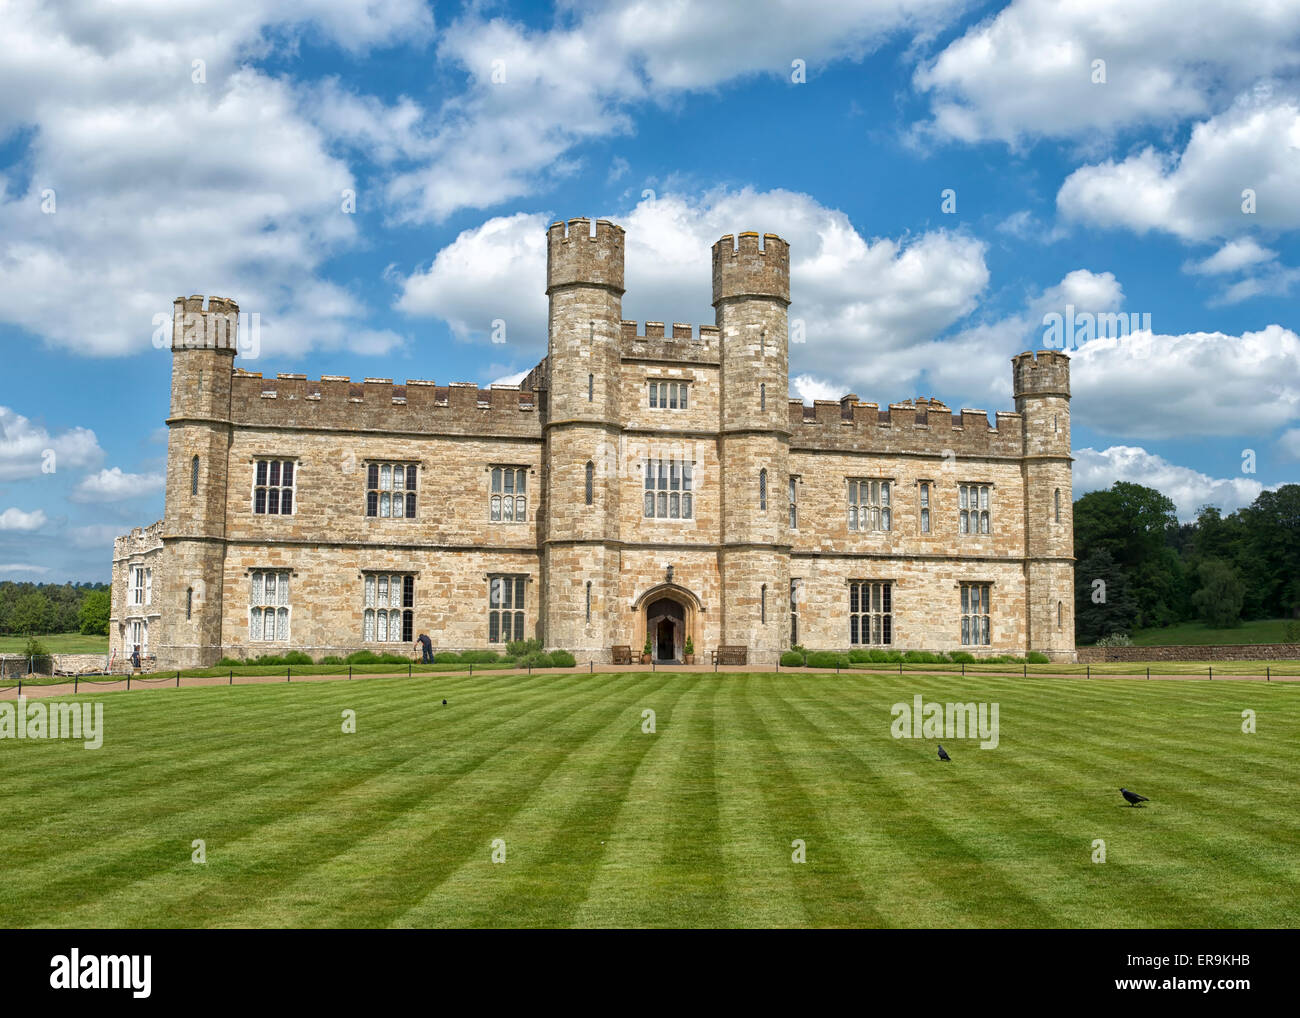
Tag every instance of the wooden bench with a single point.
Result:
(731, 655)
(622, 655)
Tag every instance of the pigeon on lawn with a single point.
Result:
(1132, 797)
(943, 755)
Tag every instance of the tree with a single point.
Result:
(1105, 607)
(31, 614)
(1219, 600)
(94, 612)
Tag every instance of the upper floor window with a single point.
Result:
(668, 395)
(194, 476)
(975, 614)
(871, 612)
(869, 505)
(591, 388)
(509, 495)
(762, 395)
(389, 615)
(668, 490)
(390, 490)
(141, 592)
(762, 490)
(794, 503)
(1057, 500)
(591, 479)
(924, 498)
(268, 607)
(189, 603)
(273, 488)
(973, 500)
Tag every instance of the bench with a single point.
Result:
(731, 655)
(621, 655)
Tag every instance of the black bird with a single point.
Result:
(1132, 797)
(444, 703)
(943, 755)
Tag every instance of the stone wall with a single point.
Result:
(1214, 652)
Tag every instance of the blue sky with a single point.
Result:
(130, 175)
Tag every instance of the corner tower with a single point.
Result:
(1041, 385)
(751, 298)
(205, 336)
(584, 285)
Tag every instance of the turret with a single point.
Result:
(1041, 386)
(751, 295)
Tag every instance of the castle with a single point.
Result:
(639, 486)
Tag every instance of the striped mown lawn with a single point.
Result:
(693, 825)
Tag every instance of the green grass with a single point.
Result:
(604, 825)
(58, 643)
(1197, 634)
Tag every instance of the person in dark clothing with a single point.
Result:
(135, 660)
(426, 648)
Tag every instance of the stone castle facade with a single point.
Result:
(655, 484)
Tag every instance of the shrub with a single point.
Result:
(297, 657)
(537, 659)
(827, 659)
(446, 657)
(893, 656)
(1291, 631)
(563, 659)
(1115, 640)
(792, 659)
(858, 656)
(522, 648)
(229, 662)
(362, 657)
(479, 657)
(1037, 658)
(690, 646)
(922, 657)
(332, 659)
(962, 657)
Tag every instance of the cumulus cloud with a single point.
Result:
(858, 301)
(28, 449)
(533, 95)
(1233, 256)
(1288, 444)
(1197, 195)
(16, 519)
(1198, 383)
(252, 206)
(1028, 71)
(115, 486)
(7, 568)
(1190, 489)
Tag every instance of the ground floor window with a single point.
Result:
(871, 612)
(794, 613)
(506, 608)
(268, 607)
(389, 612)
(975, 614)
(137, 635)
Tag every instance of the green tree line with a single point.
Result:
(35, 609)
(1137, 567)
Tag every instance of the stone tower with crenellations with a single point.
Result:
(645, 486)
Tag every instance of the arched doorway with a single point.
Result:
(665, 624)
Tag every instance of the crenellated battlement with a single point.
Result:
(205, 323)
(1046, 373)
(923, 427)
(743, 268)
(417, 406)
(579, 254)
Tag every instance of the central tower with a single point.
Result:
(751, 298)
(580, 560)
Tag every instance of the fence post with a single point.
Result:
(1268, 673)
(591, 667)
(20, 685)
(471, 668)
(1025, 670)
(408, 669)
(1148, 673)
(1089, 671)
(1211, 673)
(178, 679)
(349, 671)
(74, 684)
(963, 668)
(232, 678)
(128, 681)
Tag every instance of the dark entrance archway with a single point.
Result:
(666, 627)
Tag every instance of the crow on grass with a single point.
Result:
(1132, 797)
(943, 754)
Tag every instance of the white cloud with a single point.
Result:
(20, 567)
(1028, 71)
(97, 535)
(862, 302)
(1234, 256)
(16, 519)
(1190, 489)
(115, 486)
(532, 96)
(1197, 383)
(1197, 195)
(28, 450)
(1288, 444)
(810, 389)
(164, 186)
